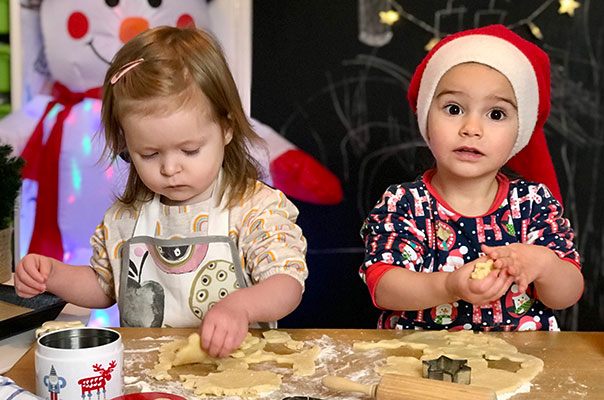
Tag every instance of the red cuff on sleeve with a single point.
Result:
(373, 275)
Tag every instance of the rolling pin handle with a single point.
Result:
(344, 385)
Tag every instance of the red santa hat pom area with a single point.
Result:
(525, 66)
(528, 323)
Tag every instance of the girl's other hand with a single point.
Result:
(479, 292)
(31, 275)
(522, 261)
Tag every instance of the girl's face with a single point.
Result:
(177, 155)
(472, 121)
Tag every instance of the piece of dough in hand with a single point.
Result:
(191, 353)
(482, 270)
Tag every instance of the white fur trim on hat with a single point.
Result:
(497, 53)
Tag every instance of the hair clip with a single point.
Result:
(127, 67)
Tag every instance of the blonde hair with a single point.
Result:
(179, 65)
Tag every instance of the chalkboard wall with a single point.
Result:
(334, 83)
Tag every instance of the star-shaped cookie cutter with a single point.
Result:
(446, 369)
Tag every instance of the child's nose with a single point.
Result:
(471, 126)
(170, 166)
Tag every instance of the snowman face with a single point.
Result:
(82, 36)
(443, 309)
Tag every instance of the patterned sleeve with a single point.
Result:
(547, 226)
(391, 232)
(100, 260)
(271, 241)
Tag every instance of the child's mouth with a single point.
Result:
(468, 151)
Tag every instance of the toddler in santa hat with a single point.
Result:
(481, 97)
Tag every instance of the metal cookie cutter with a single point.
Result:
(446, 369)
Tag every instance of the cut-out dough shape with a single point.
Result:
(284, 338)
(482, 270)
(477, 348)
(303, 363)
(51, 326)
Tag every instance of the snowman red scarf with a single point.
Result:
(42, 165)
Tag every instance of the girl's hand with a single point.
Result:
(31, 275)
(524, 262)
(224, 327)
(479, 292)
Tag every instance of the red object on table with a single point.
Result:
(149, 396)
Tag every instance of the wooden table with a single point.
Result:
(574, 361)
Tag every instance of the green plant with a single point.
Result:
(10, 183)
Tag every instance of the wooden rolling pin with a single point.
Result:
(402, 387)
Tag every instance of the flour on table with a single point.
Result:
(335, 357)
(477, 348)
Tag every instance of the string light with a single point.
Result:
(389, 17)
(535, 30)
(431, 43)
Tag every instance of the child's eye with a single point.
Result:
(148, 156)
(497, 115)
(191, 152)
(453, 109)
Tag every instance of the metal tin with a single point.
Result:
(79, 363)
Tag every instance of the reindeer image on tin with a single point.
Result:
(96, 384)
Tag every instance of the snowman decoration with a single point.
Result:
(444, 314)
(65, 186)
(522, 301)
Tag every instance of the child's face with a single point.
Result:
(472, 121)
(177, 155)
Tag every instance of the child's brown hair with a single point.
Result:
(178, 66)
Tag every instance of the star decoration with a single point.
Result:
(389, 17)
(446, 369)
(568, 7)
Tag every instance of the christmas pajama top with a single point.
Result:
(263, 227)
(412, 227)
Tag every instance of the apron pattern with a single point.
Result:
(164, 274)
(212, 284)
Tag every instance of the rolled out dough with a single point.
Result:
(234, 376)
(284, 338)
(477, 348)
(233, 382)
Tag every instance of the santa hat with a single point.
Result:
(528, 323)
(525, 66)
